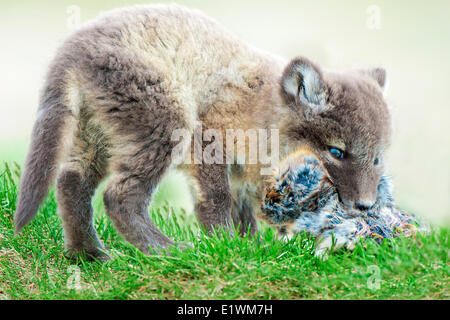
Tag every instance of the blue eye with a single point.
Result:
(376, 162)
(337, 153)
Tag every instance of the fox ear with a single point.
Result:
(302, 84)
(379, 75)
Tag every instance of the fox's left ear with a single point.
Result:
(302, 84)
(379, 75)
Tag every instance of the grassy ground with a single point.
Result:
(32, 265)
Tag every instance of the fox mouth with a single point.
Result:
(346, 204)
(350, 206)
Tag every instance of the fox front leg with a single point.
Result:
(214, 201)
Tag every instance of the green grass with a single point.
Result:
(33, 266)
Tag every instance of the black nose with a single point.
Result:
(362, 205)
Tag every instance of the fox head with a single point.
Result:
(344, 118)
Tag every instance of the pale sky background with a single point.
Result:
(412, 43)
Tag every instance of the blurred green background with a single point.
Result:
(411, 39)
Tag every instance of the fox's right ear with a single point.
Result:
(302, 84)
(379, 75)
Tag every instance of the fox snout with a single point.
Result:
(358, 200)
(364, 204)
(360, 204)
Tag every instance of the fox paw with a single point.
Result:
(97, 254)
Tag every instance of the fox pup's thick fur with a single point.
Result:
(119, 87)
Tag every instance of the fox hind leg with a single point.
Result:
(76, 183)
(138, 111)
(142, 154)
(127, 198)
